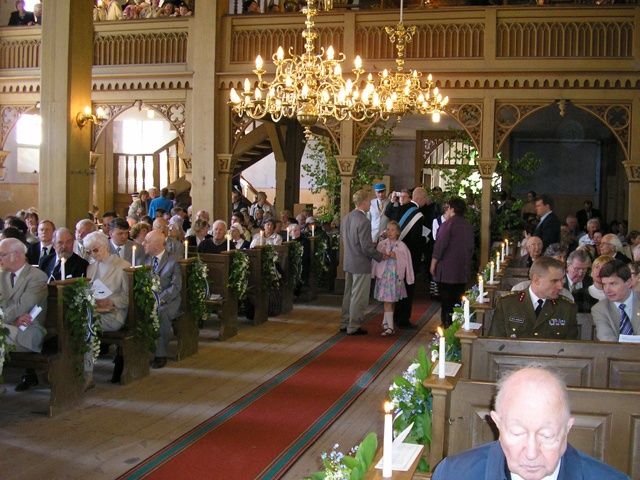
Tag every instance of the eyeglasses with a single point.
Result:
(2, 255)
(94, 250)
(579, 270)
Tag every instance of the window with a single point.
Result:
(28, 139)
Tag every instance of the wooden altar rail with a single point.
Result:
(60, 362)
(606, 425)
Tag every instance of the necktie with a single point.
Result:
(45, 251)
(13, 279)
(118, 251)
(539, 307)
(155, 264)
(625, 323)
(379, 206)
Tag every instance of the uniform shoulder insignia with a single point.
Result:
(566, 299)
(509, 294)
(523, 294)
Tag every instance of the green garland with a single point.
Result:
(270, 275)
(321, 258)
(81, 305)
(197, 289)
(295, 262)
(4, 343)
(146, 285)
(239, 274)
(339, 466)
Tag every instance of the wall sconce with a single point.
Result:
(83, 117)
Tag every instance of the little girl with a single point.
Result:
(391, 273)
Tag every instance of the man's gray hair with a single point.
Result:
(579, 255)
(85, 222)
(58, 231)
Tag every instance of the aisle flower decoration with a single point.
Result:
(295, 262)
(353, 466)
(81, 318)
(270, 274)
(145, 292)
(4, 343)
(198, 290)
(321, 258)
(239, 274)
(411, 400)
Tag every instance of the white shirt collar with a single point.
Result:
(545, 216)
(18, 272)
(535, 298)
(628, 304)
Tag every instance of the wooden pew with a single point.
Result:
(288, 287)
(185, 327)
(590, 364)
(516, 272)
(133, 350)
(312, 283)
(256, 295)
(226, 307)
(63, 366)
(606, 425)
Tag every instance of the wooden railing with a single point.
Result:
(19, 48)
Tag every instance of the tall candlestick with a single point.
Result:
(467, 314)
(62, 270)
(186, 249)
(480, 289)
(133, 256)
(387, 459)
(491, 273)
(441, 354)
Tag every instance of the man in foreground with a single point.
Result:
(533, 415)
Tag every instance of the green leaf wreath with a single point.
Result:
(354, 466)
(270, 274)
(198, 290)
(321, 257)
(295, 262)
(411, 400)
(239, 274)
(145, 291)
(4, 342)
(81, 318)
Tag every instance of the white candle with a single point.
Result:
(228, 240)
(506, 245)
(287, 234)
(62, 270)
(313, 230)
(502, 251)
(497, 261)
(441, 354)
(401, 8)
(133, 256)
(387, 462)
(467, 315)
(186, 249)
(261, 237)
(491, 273)
(480, 289)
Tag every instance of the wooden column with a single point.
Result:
(632, 169)
(222, 207)
(346, 164)
(67, 60)
(487, 167)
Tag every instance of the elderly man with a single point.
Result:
(74, 265)
(533, 415)
(612, 246)
(120, 244)
(218, 241)
(548, 228)
(171, 244)
(358, 253)
(578, 264)
(44, 247)
(534, 250)
(398, 205)
(83, 228)
(376, 211)
(619, 313)
(539, 311)
(166, 266)
(593, 225)
(22, 287)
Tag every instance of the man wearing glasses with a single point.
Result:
(578, 264)
(22, 287)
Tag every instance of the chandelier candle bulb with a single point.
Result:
(480, 289)
(133, 255)
(491, 273)
(387, 459)
(186, 249)
(467, 314)
(441, 353)
(62, 269)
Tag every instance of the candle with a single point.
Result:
(497, 261)
(62, 270)
(491, 273)
(480, 289)
(502, 251)
(441, 354)
(467, 315)
(313, 230)
(401, 8)
(228, 240)
(387, 468)
(287, 234)
(506, 246)
(133, 256)
(186, 249)
(261, 237)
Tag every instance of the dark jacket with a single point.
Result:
(74, 267)
(454, 251)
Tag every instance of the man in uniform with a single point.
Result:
(376, 211)
(539, 311)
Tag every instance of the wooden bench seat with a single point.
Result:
(284, 251)
(226, 307)
(255, 293)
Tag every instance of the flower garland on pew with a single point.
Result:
(270, 274)
(321, 258)
(198, 290)
(411, 400)
(81, 318)
(145, 293)
(295, 262)
(4, 344)
(353, 466)
(239, 274)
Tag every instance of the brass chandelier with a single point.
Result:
(309, 87)
(402, 92)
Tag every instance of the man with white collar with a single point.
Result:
(619, 313)
(74, 265)
(120, 244)
(83, 228)
(376, 211)
(539, 311)
(578, 264)
(44, 247)
(548, 228)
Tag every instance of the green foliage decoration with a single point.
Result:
(145, 291)
(198, 290)
(295, 262)
(239, 274)
(353, 466)
(270, 274)
(80, 308)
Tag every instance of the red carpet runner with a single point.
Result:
(262, 434)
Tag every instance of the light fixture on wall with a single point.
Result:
(82, 118)
(309, 87)
(402, 92)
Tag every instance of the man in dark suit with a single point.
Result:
(22, 287)
(358, 251)
(533, 416)
(121, 245)
(587, 213)
(74, 265)
(166, 266)
(44, 247)
(534, 250)
(548, 228)
(612, 246)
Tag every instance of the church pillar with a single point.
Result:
(487, 167)
(67, 57)
(632, 169)
(222, 207)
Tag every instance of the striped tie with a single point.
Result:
(625, 323)
(155, 264)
